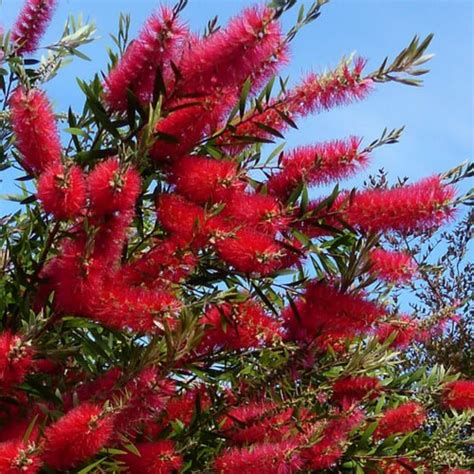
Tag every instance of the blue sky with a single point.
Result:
(438, 117)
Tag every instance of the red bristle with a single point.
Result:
(395, 267)
(405, 418)
(227, 57)
(16, 457)
(136, 71)
(405, 330)
(418, 206)
(459, 395)
(264, 458)
(331, 314)
(202, 179)
(62, 191)
(77, 436)
(257, 422)
(15, 360)
(112, 188)
(238, 326)
(159, 457)
(31, 24)
(260, 211)
(188, 121)
(35, 130)
(315, 94)
(318, 164)
(352, 389)
(251, 251)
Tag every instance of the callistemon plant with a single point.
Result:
(176, 296)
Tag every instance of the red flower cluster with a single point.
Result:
(15, 360)
(35, 129)
(251, 251)
(459, 395)
(238, 326)
(403, 419)
(314, 94)
(317, 164)
(405, 330)
(259, 211)
(112, 189)
(226, 58)
(216, 224)
(166, 263)
(330, 315)
(392, 266)
(18, 458)
(155, 458)
(31, 24)
(183, 407)
(77, 436)
(417, 206)
(326, 452)
(188, 121)
(257, 422)
(352, 389)
(62, 191)
(264, 458)
(202, 179)
(136, 71)
(148, 394)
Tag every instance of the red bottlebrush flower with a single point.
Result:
(459, 395)
(315, 94)
(418, 206)
(15, 359)
(110, 237)
(318, 164)
(112, 188)
(148, 394)
(238, 326)
(18, 458)
(35, 129)
(260, 211)
(392, 266)
(270, 66)
(406, 330)
(183, 407)
(326, 452)
(167, 262)
(77, 436)
(139, 309)
(187, 221)
(349, 390)
(341, 86)
(251, 251)
(257, 422)
(264, 458)
(403, 419)
(227, 57)
(136, 71)
(187, 122)
(31, 24)
(155, 458)
(202, 179)
(62, 192)
(332, 314)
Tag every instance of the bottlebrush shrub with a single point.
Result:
(172, 300)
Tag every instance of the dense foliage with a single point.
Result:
(175, 296)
